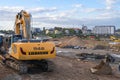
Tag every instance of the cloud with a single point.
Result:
(8, 12)
(11, 9)
(88, 10)
(14, 9)
(71, 22)
(110, 3)
(78, 5)
(107, 15)
(92, 17)
(77, 15)
(42, 9)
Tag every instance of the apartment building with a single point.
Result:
(104, 30)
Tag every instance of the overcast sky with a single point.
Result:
(65, 13)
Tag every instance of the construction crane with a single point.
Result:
(21, 52)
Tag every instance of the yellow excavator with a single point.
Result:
(114, 39)
(115, 43)
(20, 51)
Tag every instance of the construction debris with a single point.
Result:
(100, 47)
(74, 47)
(115, 47)
(102, 68)
(83, 56)
(113, 58)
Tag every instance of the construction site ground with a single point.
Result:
(66, 67)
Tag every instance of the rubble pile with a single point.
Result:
(84, 56)
(101, 47)
(115, 47)
(102, 68)
(77, 41)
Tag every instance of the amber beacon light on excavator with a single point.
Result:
(20, 51)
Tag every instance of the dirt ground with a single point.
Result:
(65, 68)
(66, 65)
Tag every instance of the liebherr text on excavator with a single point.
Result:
(20, 51)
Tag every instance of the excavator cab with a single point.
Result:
(15, 38)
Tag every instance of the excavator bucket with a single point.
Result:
(102, 68)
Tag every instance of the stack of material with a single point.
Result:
(102, 68)
(115, 47)
(73, 41)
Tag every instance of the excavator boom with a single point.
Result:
(22, 24)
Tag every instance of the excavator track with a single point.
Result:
(44, 65)
(19, 66)
(51, 66)
(24, 67)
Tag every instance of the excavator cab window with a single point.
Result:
(15, 38)
(1, 41)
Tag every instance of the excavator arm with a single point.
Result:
(22, 24)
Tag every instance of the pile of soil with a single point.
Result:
(77, 41)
